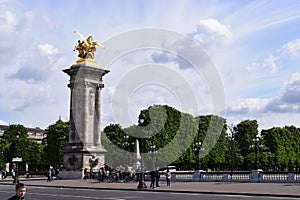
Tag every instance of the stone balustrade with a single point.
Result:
(236, 176)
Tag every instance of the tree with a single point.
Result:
(55, 143)
(3, 149)
(112, 140)
(212, 133)
(246, 131)
(233, 155)
(29, 151)
(283, 145)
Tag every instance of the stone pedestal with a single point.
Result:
(84, 148)
(256, 175)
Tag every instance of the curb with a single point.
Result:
(162, 190)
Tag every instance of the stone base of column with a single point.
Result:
(76, 159)
(198, 175)
(256, 175)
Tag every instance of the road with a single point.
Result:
(54, 193)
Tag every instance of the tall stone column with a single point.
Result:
(84, 148)
(97, 119)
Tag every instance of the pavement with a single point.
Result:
(232, 188)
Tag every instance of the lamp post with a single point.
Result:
(142, 183)
(197, 150)
(256, 140)
(16, 178)
(153, 151)
(127, 145)
(256, 172)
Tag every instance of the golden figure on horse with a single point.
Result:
(86, 48)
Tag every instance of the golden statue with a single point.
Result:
(86, 48)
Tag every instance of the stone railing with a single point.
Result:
(236, 176)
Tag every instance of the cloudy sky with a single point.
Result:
(254, 47)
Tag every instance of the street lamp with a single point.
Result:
(256, 140)
(153, 152)
(127, 145)
(16, 178)
(197, 150)
(142, 183)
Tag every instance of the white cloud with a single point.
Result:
(292, 49)
(234, 35)
(269, 65)
(31, 96)
(291, 90)
(287, 100)
(3, 122)
(250, 105)
(8, 22)
(210, 32)
(47, 49)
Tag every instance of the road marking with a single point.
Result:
(76, 196)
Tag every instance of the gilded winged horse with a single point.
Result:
(86, 48)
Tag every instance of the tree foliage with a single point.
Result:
(21, 147)
(55, 142)
(174, 134)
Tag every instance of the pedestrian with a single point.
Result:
(100, 174)
(85, 173)
(20, 192)
(49, 175)
(4, 174)
(157, 178)
(152, 178)
(168, 177)
(57, 171)
(13, 174)
(91, 173)
(53, 175)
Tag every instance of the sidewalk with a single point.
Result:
(268, 189)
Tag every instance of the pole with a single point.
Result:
(16, 178)
(142, 184)
(256, 155)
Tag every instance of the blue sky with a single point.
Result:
(254, 45)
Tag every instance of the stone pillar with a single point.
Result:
(84, 148)
(256, 175)
(97, 117)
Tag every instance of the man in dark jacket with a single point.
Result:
(20, 192)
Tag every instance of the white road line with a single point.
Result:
(76, 196)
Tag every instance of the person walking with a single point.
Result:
(157, 178)
(20, 190)
(85, 173)
(100, 175)
(152, 178)
(168, 177)
(49, 175)
(13, 174)
(53, 175)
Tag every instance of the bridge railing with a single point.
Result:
(236, 176)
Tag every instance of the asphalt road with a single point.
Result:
(53, 193)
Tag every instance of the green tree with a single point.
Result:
(55, 142)
(283, 145)
(29, 151)
(15, 146)
(213, 142)
(3, 149)
(113, 140)
(246, 131)
(233, 155)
